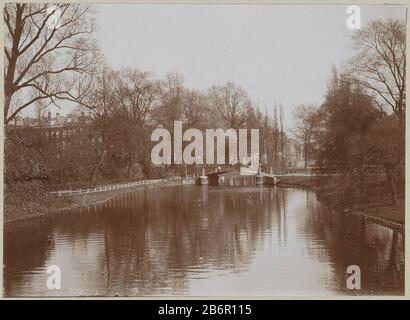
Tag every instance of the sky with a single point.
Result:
(277, 53)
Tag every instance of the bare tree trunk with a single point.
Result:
(392, 185)
(129, 165)
(97, 167)
(306, 155)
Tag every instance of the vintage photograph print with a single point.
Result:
(198, 150)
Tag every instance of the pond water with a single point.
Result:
(193, 240)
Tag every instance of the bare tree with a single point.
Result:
(48, 53)
(380, 66)
(231, 102)
(275, 134)
(136, 94)
(306, 124)
(171, 92)
(195, 108)
(282, 135)
(100, 103)
(266, 132)
(380, 63)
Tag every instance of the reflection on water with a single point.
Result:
(204, 240)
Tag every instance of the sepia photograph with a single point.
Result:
(203, 150)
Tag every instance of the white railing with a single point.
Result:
(115, 186)
(306, 174)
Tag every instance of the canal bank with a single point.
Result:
(382, 212)
(30, 200)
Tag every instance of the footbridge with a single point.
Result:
(218, 176)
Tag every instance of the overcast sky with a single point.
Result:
(275, 52)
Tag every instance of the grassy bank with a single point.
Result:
(373, 201)
(23, 200)
(28, 200)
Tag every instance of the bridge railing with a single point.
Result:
(115, 186)
(307, 174)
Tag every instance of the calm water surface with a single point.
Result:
(204, 240)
